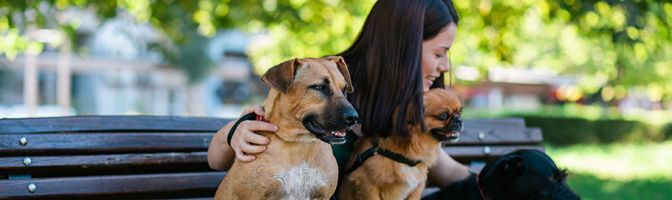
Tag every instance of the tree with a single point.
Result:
(613, 44)
(298, 28)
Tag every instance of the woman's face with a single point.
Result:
(435, 55)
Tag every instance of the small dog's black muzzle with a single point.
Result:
(455, 124)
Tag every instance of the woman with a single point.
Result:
(401, 51)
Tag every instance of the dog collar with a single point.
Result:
(398, 157)
(248, 116)
(480, 188)
(375, 149)
(260, 118)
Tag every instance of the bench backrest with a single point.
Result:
(103, 156)
(483, 140)
(161, 157)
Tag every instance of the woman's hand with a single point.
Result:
(245, 142)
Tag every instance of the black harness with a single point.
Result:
(375, 149)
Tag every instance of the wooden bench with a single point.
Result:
(483, 140)
(140, 157)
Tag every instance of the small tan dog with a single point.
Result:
(307, 102)
(397, 168)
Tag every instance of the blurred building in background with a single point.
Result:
(512, 88)
(521, 89)
(122, 74)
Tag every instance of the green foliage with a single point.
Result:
(617, 171)
(623, 161)
(575, 124)
(610, 43)
(574, 130)
(620, 130)
(590, 187)
(667, 131)
(298, 28)
(563, 131)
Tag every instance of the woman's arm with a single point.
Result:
(244, 143)
(220, 155)
(446, 171)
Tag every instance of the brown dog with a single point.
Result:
(398, 168)
(307, 102)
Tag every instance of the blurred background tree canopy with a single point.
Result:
(611, 44)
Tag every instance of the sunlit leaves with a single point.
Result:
(138, 8)
(11, 43)
(615, 44)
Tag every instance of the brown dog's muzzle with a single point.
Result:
(450, 132)
(332, 125)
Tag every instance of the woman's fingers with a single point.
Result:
(258, 126)
(243, 157)
(246, 142)
(248, 148)
(256, 139)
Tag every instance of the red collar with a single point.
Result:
(480, 189)
(260, 118)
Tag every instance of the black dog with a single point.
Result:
(520, 175)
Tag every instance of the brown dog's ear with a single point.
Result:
(280, 77)
(343, 68)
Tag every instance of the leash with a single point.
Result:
(248, 116)
(375, 149)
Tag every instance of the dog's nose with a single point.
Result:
(350, 117)
(456, 124)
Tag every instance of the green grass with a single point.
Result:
(590, 187)
(618, 171)
(617, 161)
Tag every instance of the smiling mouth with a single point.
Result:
(445, 135)
(431, 78)
(329, 136)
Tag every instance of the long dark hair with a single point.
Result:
(385, 63)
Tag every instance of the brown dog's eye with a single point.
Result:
(443, 116)
(318, 87)
(321, 88)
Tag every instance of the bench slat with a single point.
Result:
(110, 123)
(50, 144)
(498, 136)
(168, 123)
(16, 164)
(459, 152)
(494, 123)
(139, 142)
(117, 185)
